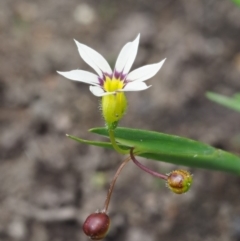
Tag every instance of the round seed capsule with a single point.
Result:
(96, 226)
(179, 181)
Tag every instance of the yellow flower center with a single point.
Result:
(111, 85)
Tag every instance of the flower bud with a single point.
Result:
(96, 225)
(179, 181)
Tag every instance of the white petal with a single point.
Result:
(98, 91)
(94, 59)
(135, 86)
(127, 56)
(81, 75)
(145, 72)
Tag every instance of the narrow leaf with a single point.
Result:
(174, 149)
(95, 143)
(232, 103)
(237, 2)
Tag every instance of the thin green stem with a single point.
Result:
(114, 144)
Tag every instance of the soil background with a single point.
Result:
(49, 184)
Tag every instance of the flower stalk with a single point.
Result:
(146, 169)
(110, 190)
(114, 144)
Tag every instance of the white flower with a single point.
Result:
(109, 82)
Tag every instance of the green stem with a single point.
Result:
(114, 144)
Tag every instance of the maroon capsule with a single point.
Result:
(96, 226)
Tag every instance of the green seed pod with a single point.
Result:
(96, 226)
(179, 181)
(113, 108)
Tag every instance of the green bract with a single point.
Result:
(169, 148)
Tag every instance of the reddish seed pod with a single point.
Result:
(96, 225)
(179, 181)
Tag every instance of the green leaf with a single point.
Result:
(169, 148)
(237, 2)
(232, 103)
(96, 143)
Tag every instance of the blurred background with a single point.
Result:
(49, 184)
